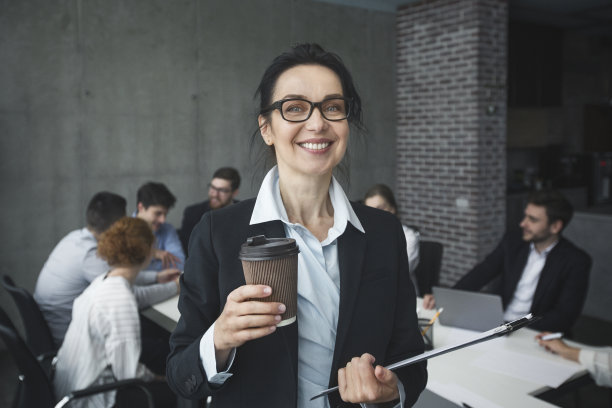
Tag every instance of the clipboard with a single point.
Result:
(482, 337)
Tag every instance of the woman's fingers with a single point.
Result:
(244, 319)
(246, 292)
(360, 382)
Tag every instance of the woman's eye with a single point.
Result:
(294, 108)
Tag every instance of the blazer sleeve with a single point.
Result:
(487, 270)
(561, 312)
(199, 305)
(187, 224)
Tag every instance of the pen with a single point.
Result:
(433, 319)
(552, 336)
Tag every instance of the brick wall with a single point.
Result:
(451, 125)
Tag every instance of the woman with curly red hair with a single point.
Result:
(103, 341)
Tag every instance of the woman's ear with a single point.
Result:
(264, 129)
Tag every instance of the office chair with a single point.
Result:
(428, 269)
(37, 333)
(35, 389)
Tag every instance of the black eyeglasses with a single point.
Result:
(219, 190)
(300, 110)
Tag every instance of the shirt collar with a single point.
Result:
(545, 252)
(269, 204)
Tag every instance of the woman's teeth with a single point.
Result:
(315, 146)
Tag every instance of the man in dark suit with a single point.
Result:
(222, 191)
(539, 271)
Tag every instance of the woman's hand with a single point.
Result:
(244, 319)
(360, 382)
(557, 346)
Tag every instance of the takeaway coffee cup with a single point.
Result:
(273, 262)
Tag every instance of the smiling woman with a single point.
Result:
(355, 298)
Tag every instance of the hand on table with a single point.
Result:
(167, 259)
(361, 382)
(557, 346)
(168, 275)
(429, 302)
(244, 319)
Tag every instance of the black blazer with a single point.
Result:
(561, 290)
(191, 216)
(377, 311)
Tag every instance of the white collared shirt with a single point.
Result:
(522, 299)
(318, 284)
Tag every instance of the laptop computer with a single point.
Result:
(469, 310)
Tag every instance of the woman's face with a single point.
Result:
(380, 203)
(317, 145)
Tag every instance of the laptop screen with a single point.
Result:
(469, 310)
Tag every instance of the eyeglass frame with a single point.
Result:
(279, 104)
(220, 190)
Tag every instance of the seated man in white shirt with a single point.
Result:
(73, 265)
(539, 271)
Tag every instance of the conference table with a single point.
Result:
(508, 371)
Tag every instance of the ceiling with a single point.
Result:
(593, 15)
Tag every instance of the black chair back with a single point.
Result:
(35, 389)
(428, 269)
(38, 336)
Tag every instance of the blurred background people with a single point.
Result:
(73, 265)
(102, 343)
(537, 270)
(381, 196)
(154, 200)
(222, 191)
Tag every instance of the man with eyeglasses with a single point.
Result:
(222, 191)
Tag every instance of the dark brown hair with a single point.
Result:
(384, 191)
(557, 206)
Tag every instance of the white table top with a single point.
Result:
(460, 375)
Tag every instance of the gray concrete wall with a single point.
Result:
(106, 95)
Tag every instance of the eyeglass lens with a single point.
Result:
(219, 190)
(300, 109)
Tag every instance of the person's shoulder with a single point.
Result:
(196, 208)
(238, 209)
(112, 287)
(78, 235)
(568, 248)
(165, 230)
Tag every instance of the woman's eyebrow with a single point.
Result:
(296, 96)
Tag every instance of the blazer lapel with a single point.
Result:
(351, 251)
(549, 272)
(517, 272)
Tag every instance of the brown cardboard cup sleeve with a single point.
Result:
(273, 262)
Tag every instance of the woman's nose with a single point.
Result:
(316, 121)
